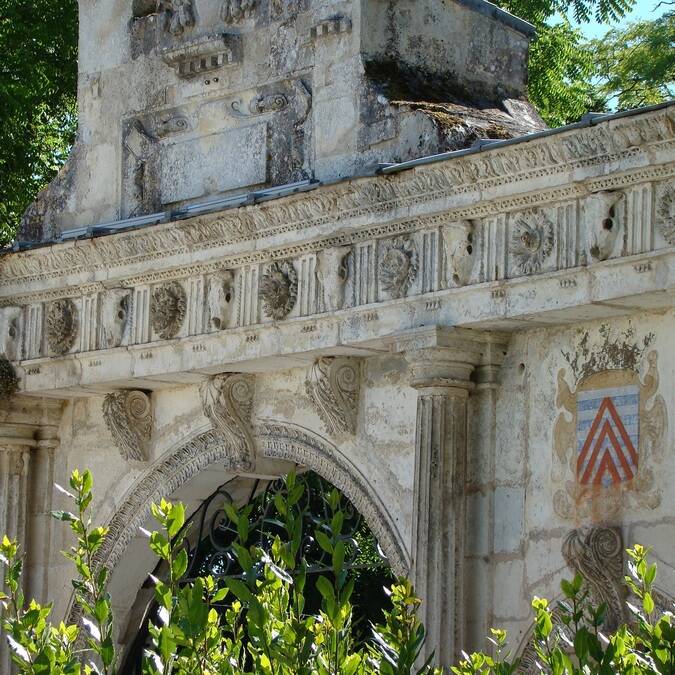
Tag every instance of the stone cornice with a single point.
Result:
(474, 186)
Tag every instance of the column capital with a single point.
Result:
(447, 357)
(29, 421)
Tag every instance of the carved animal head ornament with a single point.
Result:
(10, 332)
(460, 251)
(279, 289)
(602, 224)
(115, 306)
(219, 300)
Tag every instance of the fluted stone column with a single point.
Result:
(442, 362)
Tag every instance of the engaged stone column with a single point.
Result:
(442, 362)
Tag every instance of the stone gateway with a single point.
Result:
(335, 235)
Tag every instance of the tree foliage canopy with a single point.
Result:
(569, 76)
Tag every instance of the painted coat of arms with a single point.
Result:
(610, 429)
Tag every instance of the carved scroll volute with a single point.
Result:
(332, 271)
(128, 415)
(596, 554)
(460, 252)
(228, 403)
(333, 385)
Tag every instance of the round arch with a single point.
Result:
(125, 552)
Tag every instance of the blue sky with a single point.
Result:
(643, 9)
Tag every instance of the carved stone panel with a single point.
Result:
(279, 289)
(228, 403)
(10, 332)
(128, 415)
(333, 385)
(398, 266)
(167, 309)
(665, 213)
(61, 325)
(332, 271)
(115, 312)
(220, 300)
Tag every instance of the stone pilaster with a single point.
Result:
(442, 364)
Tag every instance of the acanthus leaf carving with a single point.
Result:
(228, 404)
(333, 385)
(398, 266)
(128, 416)
(167, 309)
(61, 325)
(279, 289)
(532, 241)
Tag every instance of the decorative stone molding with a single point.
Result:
(114, 317)
(219, 299)
(61, 325)
(333, 26)
(294, 444)
(167, 309)
(202, 55)
(460, 251)
(128, 416)
(235, 11)
(332, 272)
(597, 554)
(398, 266)
(228, 402)
(333, 385)
(665, 213)
(9, 382)
(279, 289)
(532, 241)
(603, 228)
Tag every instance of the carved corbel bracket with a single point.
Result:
(128, 415)
(228, 404)
(596, 553)
(333, 385)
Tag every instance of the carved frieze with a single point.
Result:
(460, 251)
(596, 553)
(228, 403)
(603, 228)
(398, 266)
(9, 382)
(665, 213)
(114, 318)
(532, 241)
(279, 289)
(220, 296)
(61, 325)
(235, 11)
(167, 309)
(332, 271)
(333, 385)
(128, 416)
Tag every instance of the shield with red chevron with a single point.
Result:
(607, 435)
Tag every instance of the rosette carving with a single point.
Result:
(167, 309)
(279, 289)
(398, 266)
(333, 385)
(532, 241)
(61, 325)
(128, 415)
(228, 403)
(597, 554)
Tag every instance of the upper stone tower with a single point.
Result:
(182, 101)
